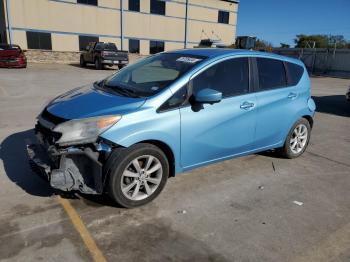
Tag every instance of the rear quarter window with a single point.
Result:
(271, 73)
(295, 73)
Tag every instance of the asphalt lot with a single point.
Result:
(238, 210)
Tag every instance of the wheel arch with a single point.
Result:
(167, 151)
(309, 119)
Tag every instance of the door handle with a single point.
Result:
(247, 105)
(292, 95)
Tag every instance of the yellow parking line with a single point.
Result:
(82, 230)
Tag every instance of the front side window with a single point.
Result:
(38, 40)
(134, 5)
(223, 17)
(84, 41)
(158, 7)
(156, 47)
(176, 101)
(134, 46)
(88, 2)
(230, 77)
(271, 73)
(150, 75)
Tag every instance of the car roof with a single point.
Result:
(221, 52)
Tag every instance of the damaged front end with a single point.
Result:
(76, 167)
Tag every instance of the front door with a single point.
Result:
(224, 129)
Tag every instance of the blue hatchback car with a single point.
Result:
(169, 113)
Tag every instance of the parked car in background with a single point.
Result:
(101, 54)
(347, 95)
(12, 56)
(170, 113)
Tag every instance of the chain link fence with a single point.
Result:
(321, 61)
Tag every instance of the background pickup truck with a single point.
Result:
(101, 54)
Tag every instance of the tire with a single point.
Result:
(126, 185)
(121, 66)
(98, 64)
(82, 61)
(295, 146)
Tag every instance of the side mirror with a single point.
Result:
(208, 96)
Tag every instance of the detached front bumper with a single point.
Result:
(71, 169)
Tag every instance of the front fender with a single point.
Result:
(148, 125)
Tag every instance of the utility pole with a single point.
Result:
(9, 20)
(186, 24)
(121, 24)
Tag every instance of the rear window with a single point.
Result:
(9, 47)
(295, 72)
(271, 73)
(106, 47)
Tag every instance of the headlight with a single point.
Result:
(84, 130)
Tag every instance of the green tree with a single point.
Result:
(283, 45)
(338, 41)
(309, 41)
(262, 44)
(321, 41)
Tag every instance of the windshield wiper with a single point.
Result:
(121, 90)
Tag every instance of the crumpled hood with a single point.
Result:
(87, 101)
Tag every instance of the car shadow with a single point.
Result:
(15, 160)
(91, 67)
(334, 105)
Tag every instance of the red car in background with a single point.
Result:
(12, 56)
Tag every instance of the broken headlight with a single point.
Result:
(84, 130)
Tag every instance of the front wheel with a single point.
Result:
(82, 61)
(98, 64)
(137, 175)
(297, 139)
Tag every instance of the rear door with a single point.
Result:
(277, 102)
(218, 131)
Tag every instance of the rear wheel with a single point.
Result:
(297, 139)
(137, 175)
(82, 61)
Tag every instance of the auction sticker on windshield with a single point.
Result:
(189, 60)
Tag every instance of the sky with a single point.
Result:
(279, 21)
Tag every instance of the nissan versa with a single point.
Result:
(169, 113)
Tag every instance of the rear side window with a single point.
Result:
(84, 41)
(295, 72)
(271, 73)
(230, 77)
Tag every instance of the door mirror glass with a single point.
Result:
(208, 96)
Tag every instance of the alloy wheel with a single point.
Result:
(141, 177)
(298, 139)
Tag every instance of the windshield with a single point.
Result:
(151, 75)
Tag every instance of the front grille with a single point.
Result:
(52, 118)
